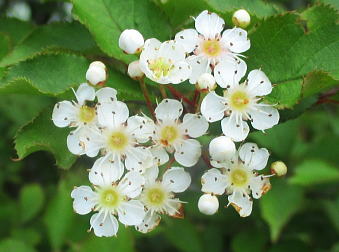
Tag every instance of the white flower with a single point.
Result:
(158, 195)
(238, 178)
(172, 135)
(208, 204)
(221, 149)
(134, 70)
(210, 46)
(131, 41)
(96, 73)
(119, 138)
(80, 115)
(241, 18)
(240, 103)
(165, 62)
(206, 82)
(110, 198)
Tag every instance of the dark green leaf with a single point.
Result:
(31, 201)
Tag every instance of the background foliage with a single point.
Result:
(47, 52)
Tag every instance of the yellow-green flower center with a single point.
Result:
(118, 141)
(110, 197)
(211, 47)
(86, 114)
(160, 67)
(155, 196)
(168, 135)
(239, 177)
(239, 100)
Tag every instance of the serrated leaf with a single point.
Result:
(72, 36)
(333, 3)
(312, 172)
(315, 82)
(106, 19)
(31, 201)
(279, 205)
(42, 134)
(16, 30)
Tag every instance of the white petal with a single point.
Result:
(138, 159)
(131, 212)
(254, 158)
(172, 50)
(104, 225)
(131, 184)
(84, 199)
(85, 93)
(150, 175)
(160, 155)
(168, 110)
(64, 113)
(173, 208)
(141, 128)
(188, 152)
(236, 40)
(106, 94)
(75, 142)
(105, 171)
(188, 38)
(94, 141)
(259, 186)
(209, 24)
(176, 179)
(194, 125)
(237, 129)
(181, 72)
(264, 117)
(241, 202)
(112, 114)
(221, 149)
(229, 73)
(213, 181)
(151, 49)
(150, 221)
(213, 107)
(199, 65)
(258, 83)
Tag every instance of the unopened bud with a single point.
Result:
(134, 70)
(241, 18)
(279, 168)
(208, 204)
(222, 148)
(96, 73)
(131, 41)
(206, 82)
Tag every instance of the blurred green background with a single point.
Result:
(300, 213)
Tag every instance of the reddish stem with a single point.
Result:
(322, 101)
(179, 95)
(206, 159)
(147, 98)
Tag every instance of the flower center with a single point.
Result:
(118, 140)
(86, 114)
(110, 197)
(160, 67)
(239, 100)
(239, 177)
(155, 197)
(211, 48)
(168, 135)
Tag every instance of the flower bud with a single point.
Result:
(131, 41)
(241, 18)
(222, 148)
(96, 73)
(208, 204)
(134, 70)
(279, 168)
(206, 82)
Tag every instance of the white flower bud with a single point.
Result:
(131, 41)
(206, 82)
(279, 168)
(134, 70)
(241, 18)
(96, 73)
(208, 204)
(222, 148)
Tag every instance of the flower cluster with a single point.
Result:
(127, 184)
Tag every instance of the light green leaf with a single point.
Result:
(42, 134)
(312, 172)
(31, 201)
(333, 3)
(9, 245)
(279, 205)
(106, 19)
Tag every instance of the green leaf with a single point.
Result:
(312, 172)
(316, 82)
(9, 245)
(248, 241)
(31, 201)
(333, 3)
(71, 36)
(15, 29)
(106, 19)
(332, 210)
(42, 134)
(5, 44)
(279, 205)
